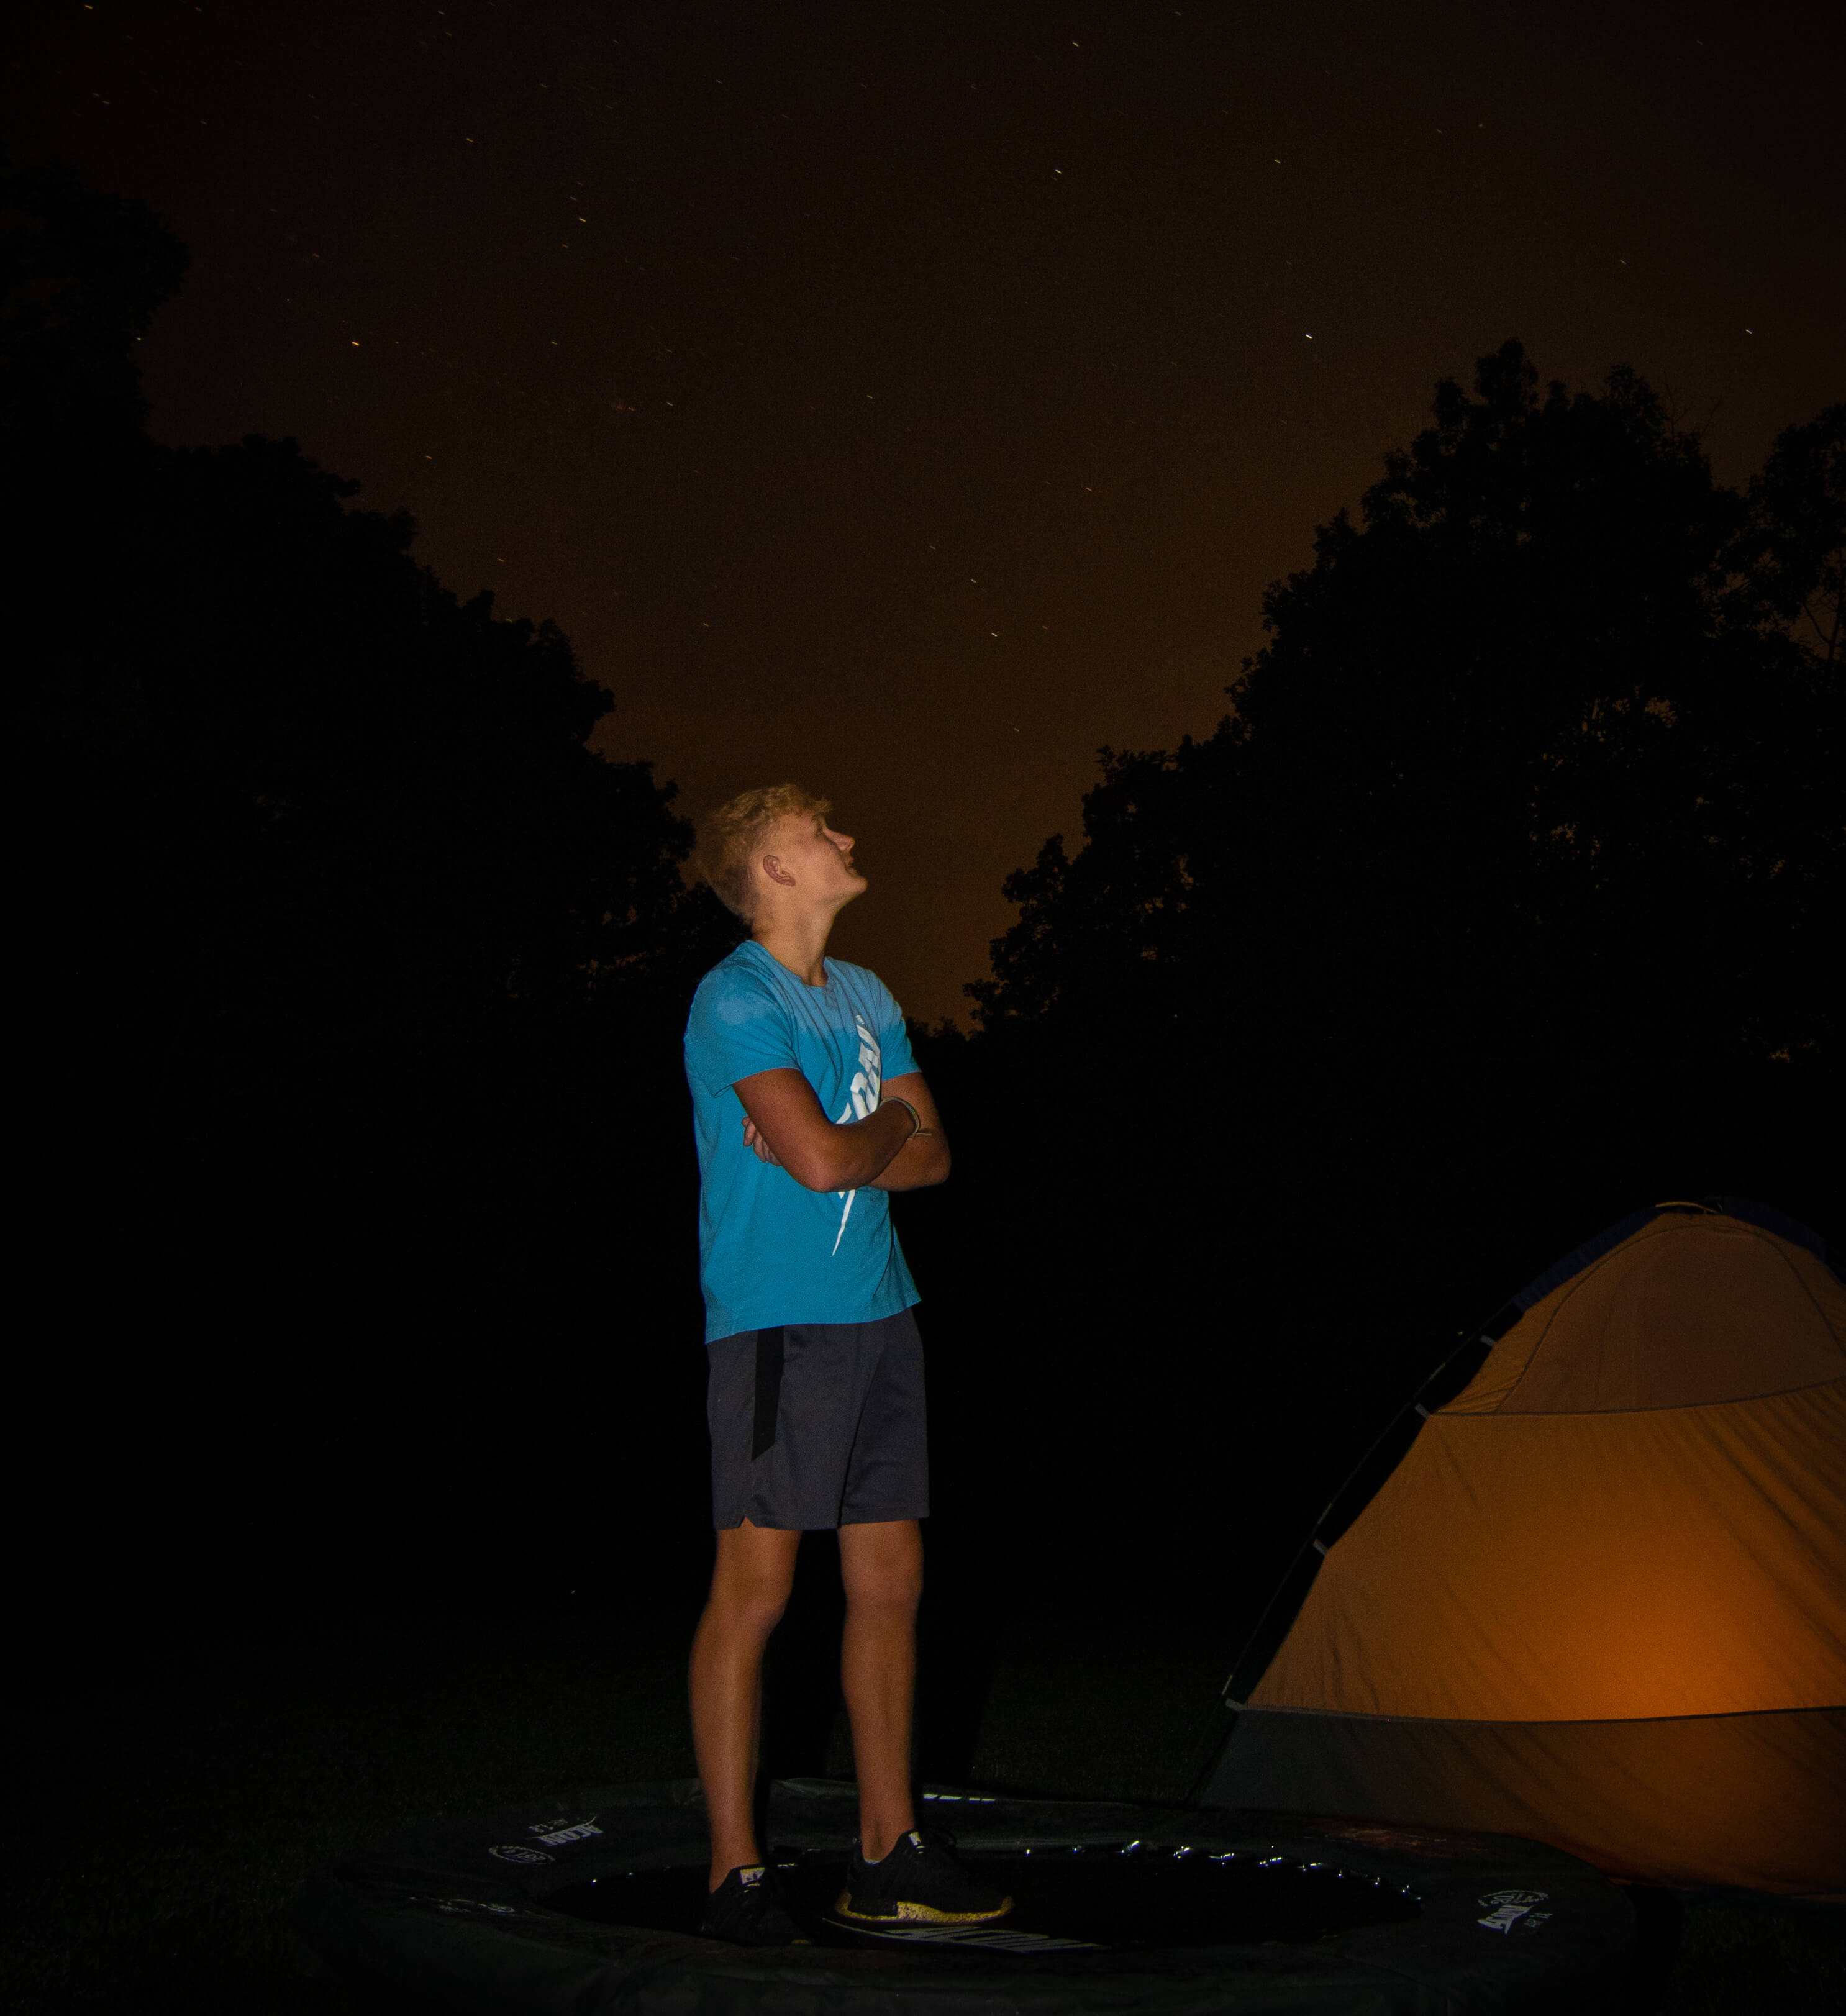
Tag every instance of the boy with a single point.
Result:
(809, 1108)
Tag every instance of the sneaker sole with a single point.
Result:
(908, 1913)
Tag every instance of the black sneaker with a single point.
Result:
(919, 1883)
(747, 1909)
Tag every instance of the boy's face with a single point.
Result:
(818, 859)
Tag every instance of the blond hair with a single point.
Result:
(729, 837)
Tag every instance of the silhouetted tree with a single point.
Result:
(1794, 556)
(1507, 891)
(1534, 753)
(330, 899)
(81, 274)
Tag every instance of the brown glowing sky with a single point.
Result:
(910, 398)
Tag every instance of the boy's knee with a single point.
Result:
(761, 1614)
(750, 1602)
(741, 1621)
(896, 1588)
(763, 1603)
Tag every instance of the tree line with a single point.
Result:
(336, 920)
(352, 982)
(1506, 897)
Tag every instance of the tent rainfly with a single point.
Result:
(1601, 1598)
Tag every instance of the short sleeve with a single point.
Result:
(737, 1028)
(893, 1039)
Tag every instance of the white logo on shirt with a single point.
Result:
(868, 1081)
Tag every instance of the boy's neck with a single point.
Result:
(798, 943)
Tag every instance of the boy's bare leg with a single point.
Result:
(751, 1582)
(881, 1565)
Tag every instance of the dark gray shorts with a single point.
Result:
(819, 1425)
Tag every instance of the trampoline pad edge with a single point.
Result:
(432, 1914)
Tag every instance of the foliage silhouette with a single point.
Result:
(356, 978)
(1545, 704)
(1506, 897)
(345, 826)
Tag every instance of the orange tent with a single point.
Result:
(1601, 1598)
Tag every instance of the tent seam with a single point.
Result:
(1534, 1721)
(1597, 1413)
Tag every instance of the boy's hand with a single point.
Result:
(752, 1139)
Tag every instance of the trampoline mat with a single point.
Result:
(1064, 1899)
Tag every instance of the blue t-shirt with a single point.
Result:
(769, 1252)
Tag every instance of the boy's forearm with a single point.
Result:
(857, 1152)
(921, 1162)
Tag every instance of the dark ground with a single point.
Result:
(173, 1782)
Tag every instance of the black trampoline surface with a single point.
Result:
(1123, 1895)
(587, 1904)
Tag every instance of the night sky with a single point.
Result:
(909, 399)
